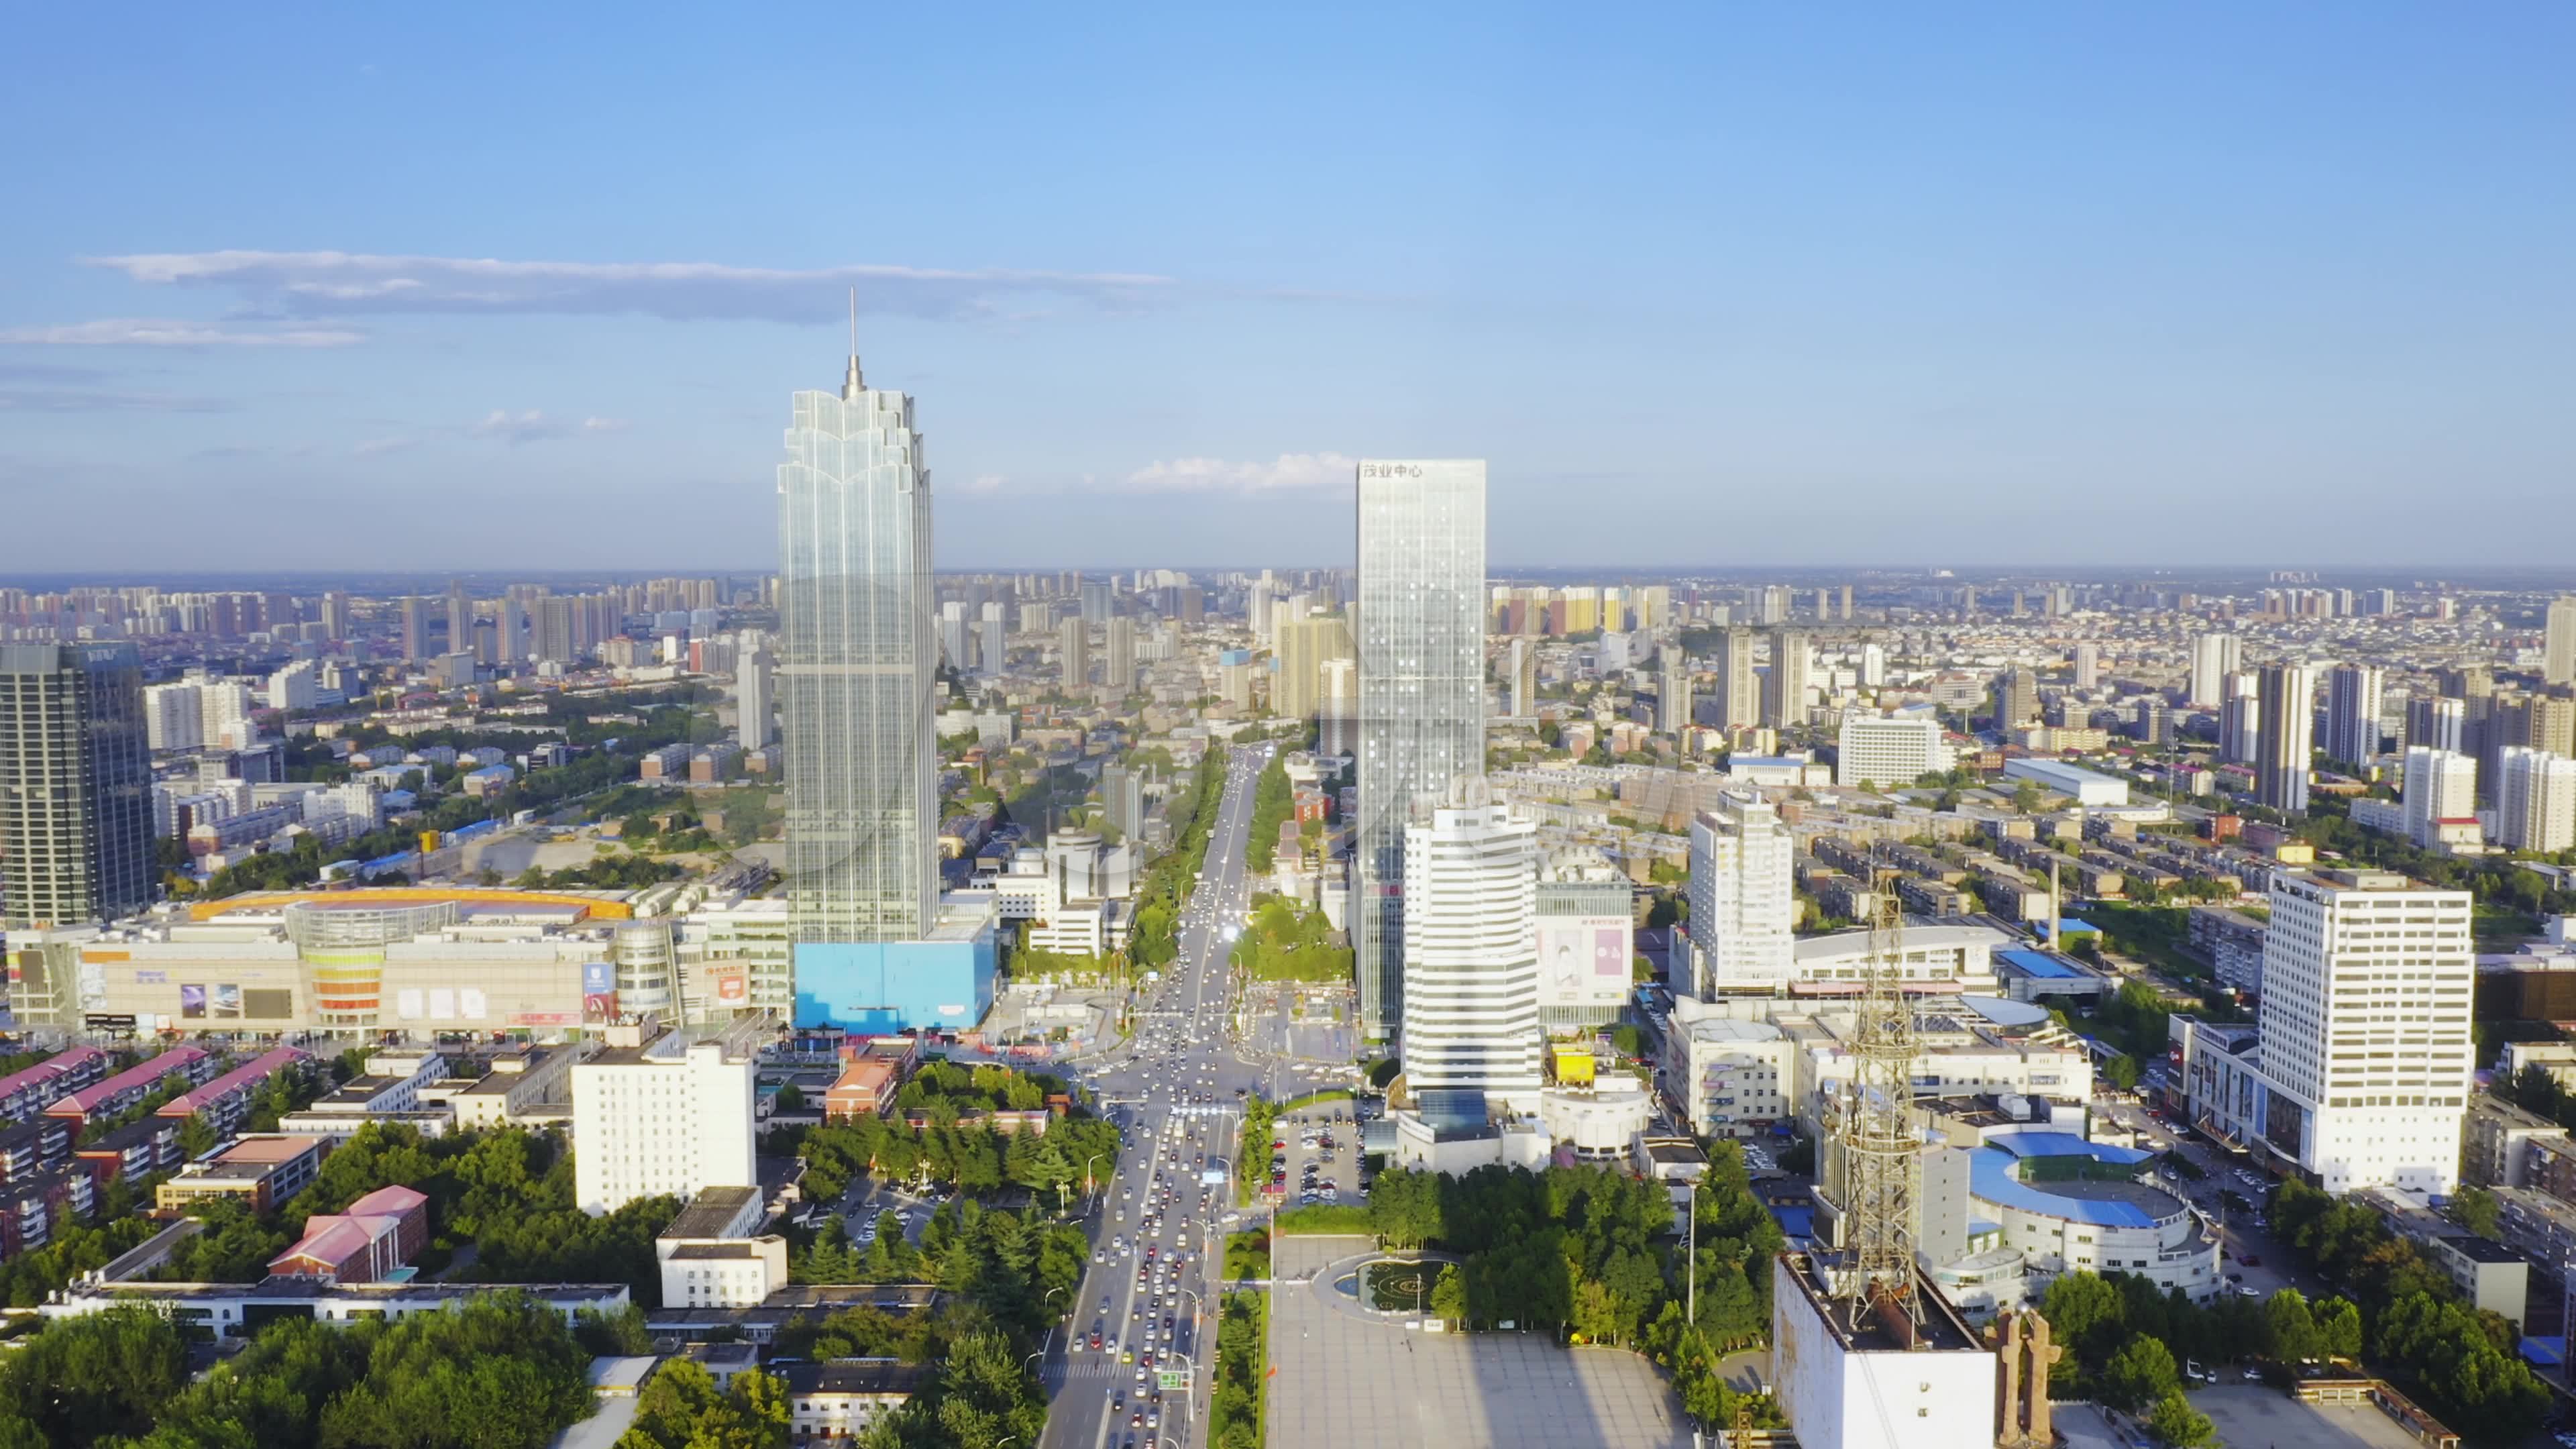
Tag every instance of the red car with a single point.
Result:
(2252, 1260)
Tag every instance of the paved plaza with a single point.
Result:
(1352, 1380)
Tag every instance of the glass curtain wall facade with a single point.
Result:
(75, 785)
(857, 669)
(1421, 687)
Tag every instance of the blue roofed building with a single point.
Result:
(2041, 1203)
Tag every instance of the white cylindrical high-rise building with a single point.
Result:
(1471, 950)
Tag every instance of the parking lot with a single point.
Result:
(1315, 1155)
(1347, 1380)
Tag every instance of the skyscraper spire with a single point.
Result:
(853, 384)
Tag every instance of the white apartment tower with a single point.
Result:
(1422, 688)
(2352, 713)
(666, 1115)
(1743, 912)
(2535, 800)
(1673, 697)
(2288, 698)
(1471, 949)
(2367, 982)
(2240, 717)
(1739, 688)
(2214, 656)
(2558, 644)
(2440, 785)
(1784, 687)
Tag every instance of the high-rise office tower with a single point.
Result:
(2437, 723)
(414, 613)
(2441, 786)
(1118, 655)
(2214, 657)
(75, 785)
(1739, 685)
(2558, 644)
(1784, 685)
(858, 668)
(1073, 655)
(1673, 695)
(953, 643)
(2364, 1024)
(755, 692)
(1421, 635)
(2240, 717)
(2535, 800)
(1097, 602)
(2288, 702)
(2352, 713)
(2016, 698)
(460, 618)
(335, 615)
(1471, 947)
(1743, 910)
(993, 649)
(2088, 665)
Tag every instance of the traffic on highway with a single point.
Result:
(1130, 1367)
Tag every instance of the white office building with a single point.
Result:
(2441, 785)
(2367, 981)
(2535, 805)
(1876, 750)
(1743, 911)
(1471, 950)
(667, 1115)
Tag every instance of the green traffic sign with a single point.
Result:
(1175, 1379)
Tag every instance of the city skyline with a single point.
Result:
(2195, 308)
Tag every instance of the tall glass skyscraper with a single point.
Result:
(857, 669)
(1421, 684)
(75, 785)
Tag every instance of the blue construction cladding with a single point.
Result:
(888, 986)
(2065, 1144)
(2036, 963)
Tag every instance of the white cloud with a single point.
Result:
(522, 427)
(372, 447)
(332, 284)
(603, 425)
(162, 332)
(1290, 473)
(984, 483)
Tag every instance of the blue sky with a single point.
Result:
(1708, 285)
